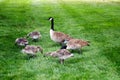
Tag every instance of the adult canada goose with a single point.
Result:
(75, 44)
(58, 37)
(62, 54)
(32, 50)
(34, 35)
(21, 41)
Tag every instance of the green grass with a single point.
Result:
(96, 21)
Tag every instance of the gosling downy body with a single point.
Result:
(32, 50)
(75, 44)
(21, 41)
(56, 36)
(34, 35)
(62, 54)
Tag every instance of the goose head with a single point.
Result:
(52, 23)
(50, 18)
(66, 40)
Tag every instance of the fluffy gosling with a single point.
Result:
(62, 54)
(35, 36)
(32, 50)
(21, 41)
(75, 44)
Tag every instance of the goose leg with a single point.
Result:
(61, 61)
(28, 57)
(79, 51)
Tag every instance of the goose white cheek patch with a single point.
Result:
(50, 19)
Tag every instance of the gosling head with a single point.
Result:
(86, 43)
(67, 40)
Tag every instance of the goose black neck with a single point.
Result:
(52, 24)
(63, 47)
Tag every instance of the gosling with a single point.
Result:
(62, 54)
(35, 36)
(32, 50)
(21, 41)
(75, 44)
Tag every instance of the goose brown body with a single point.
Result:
(56, 36)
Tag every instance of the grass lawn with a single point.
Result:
(95, 20)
